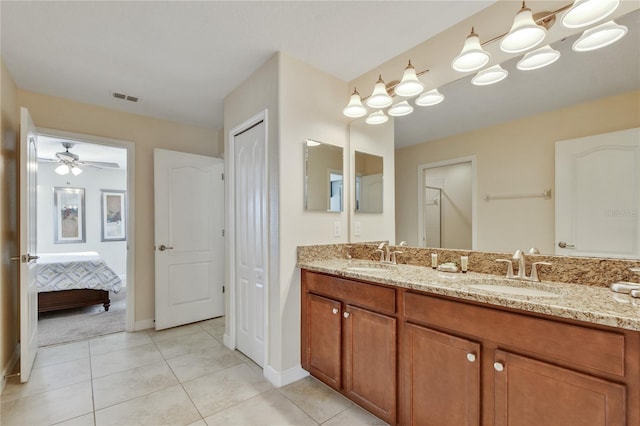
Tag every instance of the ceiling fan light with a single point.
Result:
(524, 34)
(379, 97)
(599, 36)
(410, 85)
(538, 58)
(432, 97)
(490, 75)
(399, 109)
(62, 169)
(587, 12)
(76, 170)
(472, 57)
(377, 117)
(354, 108)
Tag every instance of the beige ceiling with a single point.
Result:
(181, 58)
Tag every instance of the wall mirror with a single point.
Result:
(368, 183)
(323, 179)
(504, 169)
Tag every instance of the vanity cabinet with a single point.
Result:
(466, 364)
(349, 339)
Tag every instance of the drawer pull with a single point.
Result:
(471, 357)
(335, 311)
(346, 314)
(498, 366)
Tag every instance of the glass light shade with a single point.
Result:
(379, 98)
(76, 170)
(538, 58)
(62, 169)
(472, 57)
(354, 108)
(599, 36)
(587, 12)
(377, 117)
(410, 85)
(432, 97)
(311, 142)
(524, 34)
(400, 109)
(490, 75)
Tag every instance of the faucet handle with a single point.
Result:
(381, 254)
(534, 270)
(509, 267)
(394, 258)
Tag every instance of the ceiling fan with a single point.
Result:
(70, 162)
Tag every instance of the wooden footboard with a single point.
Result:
(66, 299)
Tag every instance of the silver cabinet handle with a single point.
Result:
(346, 314)
(335, 311)
(163, 247)
(471, 357)
(498, 366)
(563, 244)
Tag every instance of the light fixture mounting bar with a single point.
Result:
(540, 21)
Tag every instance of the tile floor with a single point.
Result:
(180, 376)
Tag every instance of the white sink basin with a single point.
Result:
(513, 290)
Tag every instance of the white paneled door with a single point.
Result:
(27, 256)
(189, 244)
(250, 194)
(598, 195)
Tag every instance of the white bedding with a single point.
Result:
(68, 271)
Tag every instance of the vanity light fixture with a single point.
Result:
(399, 109)
(432, 97)
(379, 98)
(490, 75)
(410, 85)
(525, 34)
(538, 58)
(599, 36)
(473, 56)
(354, 108)
(377, 117)
(587, 12)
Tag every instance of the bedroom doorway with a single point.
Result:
(84, 236)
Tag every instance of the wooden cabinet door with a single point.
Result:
(324, 334)
(441, 379)
(370, 361)
(530, 393)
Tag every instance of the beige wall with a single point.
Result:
(514, 157)
(8, 222)
(303, 103)
(146, 133)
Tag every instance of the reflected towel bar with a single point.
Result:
(546, 195)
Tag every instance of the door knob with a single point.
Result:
(563, 244)
(471, 357)
(25, 258)
(498, 366)
(346, 314)
(335, 311)
(163, 247)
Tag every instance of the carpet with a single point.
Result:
(69, 325)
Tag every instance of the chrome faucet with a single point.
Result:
(383, 248)
(522, 274)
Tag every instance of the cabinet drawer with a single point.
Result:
(582, 346)
(382, 299)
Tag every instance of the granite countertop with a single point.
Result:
(597, 305)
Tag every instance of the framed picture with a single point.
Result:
(114, 227)
(69, 215)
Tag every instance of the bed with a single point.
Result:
(73, 280)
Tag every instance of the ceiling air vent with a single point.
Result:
(125, 97)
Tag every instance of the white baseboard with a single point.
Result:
(8, 369)
(144, 324)
(228, 342)
(280, 379)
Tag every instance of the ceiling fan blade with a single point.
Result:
(98, 164)
(47, 160)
